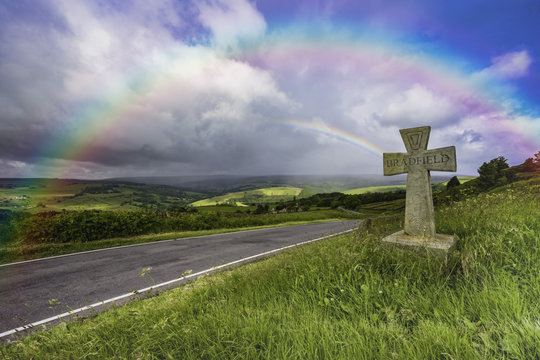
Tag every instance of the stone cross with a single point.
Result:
(417, 162)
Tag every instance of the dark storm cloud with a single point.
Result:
(33, 67)
(140, 87)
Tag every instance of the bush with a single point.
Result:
(453, 182)
(9, 231)
(496, 172)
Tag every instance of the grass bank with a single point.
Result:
(342, 298)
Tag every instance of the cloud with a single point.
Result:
(383, 108)
(470, 136)
(152, 88)
(231, 20)
(508, 66)
(195, 106)
(417, 106)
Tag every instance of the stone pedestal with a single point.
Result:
(441, 245)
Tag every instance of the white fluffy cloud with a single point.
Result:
(417, 106)
(231, 20)
(508, 66)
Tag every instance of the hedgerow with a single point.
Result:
(91, 225)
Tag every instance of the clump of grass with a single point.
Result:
(343, 298)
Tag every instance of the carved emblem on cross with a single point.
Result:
(417, 162)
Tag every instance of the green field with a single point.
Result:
(363, 190)
(241, 198)
(374, 189)
(37, 195)
(225, 209)
(343, 298)
(56, 195)
(442, 186)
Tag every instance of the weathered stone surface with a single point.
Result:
(441, 245)
(442, 159)
(419, 227)
(417, 162)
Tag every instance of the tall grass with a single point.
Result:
(343, 298)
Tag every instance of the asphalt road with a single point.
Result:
(27, 289)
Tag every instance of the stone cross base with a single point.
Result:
(441, 245)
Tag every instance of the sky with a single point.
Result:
(114, 88)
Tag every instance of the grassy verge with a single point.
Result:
(20, 251)
(342, 298)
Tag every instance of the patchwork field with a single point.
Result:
(37, 195)
(242, 198)
(45, 195)
(374, 189)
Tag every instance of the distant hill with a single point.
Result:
(312, 184)
(72, 194)
(161, 193)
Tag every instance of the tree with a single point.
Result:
(453, 182)
(529, 165)
(261, 209)
(536, 160)
(177, 209)
(532, 164)
(494, 173)
(230, 202)
(280, 206)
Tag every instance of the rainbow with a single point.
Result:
(334, 133)
(89, 127)
(437, 73)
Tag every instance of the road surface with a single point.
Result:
(35, 290)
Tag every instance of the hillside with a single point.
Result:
(345, 298)
(37, 195)
(64, 194)
(312, 184)
(252, 197)
(372, 189)
(46, 195)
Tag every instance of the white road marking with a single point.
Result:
(142, 244)
(136, 292)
